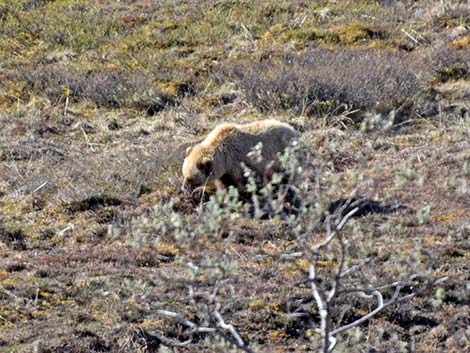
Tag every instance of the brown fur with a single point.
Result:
(217, 159)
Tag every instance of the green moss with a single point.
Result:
(451, 73)
(358, 32)
(304, 37)
(462, 43)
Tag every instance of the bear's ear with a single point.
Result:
(205, 166)
(188, 150)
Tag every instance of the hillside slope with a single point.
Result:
(99, 100)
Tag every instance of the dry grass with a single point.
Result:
(324, 81)
(95, 118)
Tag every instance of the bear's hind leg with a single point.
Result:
(226, 180)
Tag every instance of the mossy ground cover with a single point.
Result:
(99, 100)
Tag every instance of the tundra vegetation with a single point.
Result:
(101, 252)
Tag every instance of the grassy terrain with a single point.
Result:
(99, 100)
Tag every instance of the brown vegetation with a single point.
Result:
(99, 100)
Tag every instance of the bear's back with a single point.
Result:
(268, 126)
(274, 135)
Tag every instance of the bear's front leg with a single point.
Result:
(219, 184)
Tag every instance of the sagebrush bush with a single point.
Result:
(448, 63)
(322, 81)
(116, 88)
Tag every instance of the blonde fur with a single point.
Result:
(217, 159)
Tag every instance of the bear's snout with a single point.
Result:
(195, 180)
(188, 185)
(193, 190)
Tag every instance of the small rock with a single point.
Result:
(459, 31)
(61, 55)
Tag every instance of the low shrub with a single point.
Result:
(116, 88)
(345, 79)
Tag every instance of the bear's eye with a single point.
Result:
(205, 167)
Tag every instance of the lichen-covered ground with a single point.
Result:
(99, 100)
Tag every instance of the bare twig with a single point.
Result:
(229, 327)
(380, 306)
(194, 327)
(323, 310)
(324, 295)
(247, 32)
(411, 37)
(7, 321)
(40, 187)
(210, 315)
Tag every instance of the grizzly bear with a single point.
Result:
(217, 159)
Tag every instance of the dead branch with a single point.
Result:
(210, 315)
(324, 295)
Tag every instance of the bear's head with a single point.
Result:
(198, 167)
